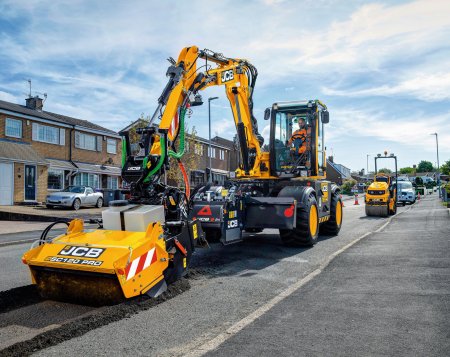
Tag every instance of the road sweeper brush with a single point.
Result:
(124, 260)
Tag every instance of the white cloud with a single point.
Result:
(428, 87)
(7, 97)
(412, 131)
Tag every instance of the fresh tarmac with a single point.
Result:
(227, 284)
(387, 295)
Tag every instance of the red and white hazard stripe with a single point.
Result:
(140, 263)
(174, 126)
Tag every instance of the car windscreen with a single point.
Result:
(404, 185)
(74, 189)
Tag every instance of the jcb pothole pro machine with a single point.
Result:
(381, 196)
(148, 241)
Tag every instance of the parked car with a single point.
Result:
(406, 192)
(75, 197)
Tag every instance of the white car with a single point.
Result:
(75, 197)
(405, 192)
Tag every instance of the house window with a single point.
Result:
(112, 182)
(88, 142)
(197, 178)
(48, 134)
(222, 154)
(13, 128)
(212, 152)
(55, 179)
(111, 146)
(198, 149)
(85, 179)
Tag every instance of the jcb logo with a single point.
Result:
(233, 224)
(134, 168)
(81, 251)
(227, 76)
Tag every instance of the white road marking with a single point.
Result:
(237, 327)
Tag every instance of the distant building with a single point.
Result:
(42, 151)
(336, 172)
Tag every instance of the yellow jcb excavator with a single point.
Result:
(147, 242)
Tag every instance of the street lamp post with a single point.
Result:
(367, 173)
(209, 146)
(438, 172)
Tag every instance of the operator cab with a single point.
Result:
(296, 139)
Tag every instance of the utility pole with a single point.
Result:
(367, 163)
(209, 148)
(438, 172)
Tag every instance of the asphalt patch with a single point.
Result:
(98, 318)
(18, 297)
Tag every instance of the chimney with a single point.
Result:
(35, 103)
(330, 159)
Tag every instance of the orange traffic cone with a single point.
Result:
(342, 201)
(356, 199)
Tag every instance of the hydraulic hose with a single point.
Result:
(178, 155)
(160, 161)
(124, 152)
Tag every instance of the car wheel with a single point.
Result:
(76, 204)
(99, 203)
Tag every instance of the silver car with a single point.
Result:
(406, 192)
(75, 197)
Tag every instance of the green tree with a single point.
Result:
(406, 170)
(445, 169)
(347, 186)
(425, 166)
(385, 171)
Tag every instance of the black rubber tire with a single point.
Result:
(301, 235)
(49, 206)
(99, 203)
(367, 211)
(331, 227)
(74, 206)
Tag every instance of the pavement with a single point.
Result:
(387, 295)
(44, 214)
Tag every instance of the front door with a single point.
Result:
(30, 183)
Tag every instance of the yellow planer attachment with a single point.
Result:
(100, 267)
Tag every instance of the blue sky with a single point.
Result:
(382, 67)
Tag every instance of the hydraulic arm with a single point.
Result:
(186, 80)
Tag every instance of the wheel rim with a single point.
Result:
(100, 202)
(313, 220)
(339, 213)
(76, 204)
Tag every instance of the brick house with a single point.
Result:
(42, 152)
(223, 163)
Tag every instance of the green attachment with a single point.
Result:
(124, 152)
(178, 155)
(160, 161)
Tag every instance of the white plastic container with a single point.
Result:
(133, 218)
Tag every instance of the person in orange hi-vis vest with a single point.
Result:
(298, 138)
